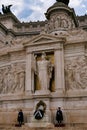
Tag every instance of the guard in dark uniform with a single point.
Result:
(20, 117)
(59, 116)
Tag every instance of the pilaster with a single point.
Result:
(59, 70)
(28, 85)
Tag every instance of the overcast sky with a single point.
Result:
(33, 10)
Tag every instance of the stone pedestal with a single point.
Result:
(44, 122)
(40, 124)
(42, 92)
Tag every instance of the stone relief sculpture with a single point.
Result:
(68, 77)
(60, 21)
(57, 22)
(64, 23)
(15, 77)
(21, 80)
(12, 80)
(51, 24)
(1, 80)
(5, 79)
(43, 70)
(76, 73)
(9, 80)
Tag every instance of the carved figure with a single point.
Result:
(12, 79)
(15, 77)
(6, 9)
(21, 80)
(63, 1)
(1, 81)
(43, 69)
(58, 22)
(5, 80)
(44, 72)
(64, 23)
(76, 73)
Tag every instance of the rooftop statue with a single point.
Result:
(6, 9)
(63, 1)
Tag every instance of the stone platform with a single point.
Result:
(24, 127)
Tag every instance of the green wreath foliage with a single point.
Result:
(41, 103)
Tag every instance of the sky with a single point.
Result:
(33, 10)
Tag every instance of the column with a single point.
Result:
(59, 70)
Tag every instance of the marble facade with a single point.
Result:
(60, 80)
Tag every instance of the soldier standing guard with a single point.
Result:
(59, 116)
(20, 117)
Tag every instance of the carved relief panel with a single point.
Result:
(2, 39)
(76, 73)
(12, 78)
(60, 20)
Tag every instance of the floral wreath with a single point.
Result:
(41, 103)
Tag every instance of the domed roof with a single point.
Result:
(57, 6)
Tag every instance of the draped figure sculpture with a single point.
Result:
(44, 72)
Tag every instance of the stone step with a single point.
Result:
(24, 127)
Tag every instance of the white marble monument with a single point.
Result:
(47, 61)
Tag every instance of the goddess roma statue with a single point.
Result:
(43, 69)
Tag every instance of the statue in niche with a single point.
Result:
(44, 72)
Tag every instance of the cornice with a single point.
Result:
(3, 28)
(9, 15)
